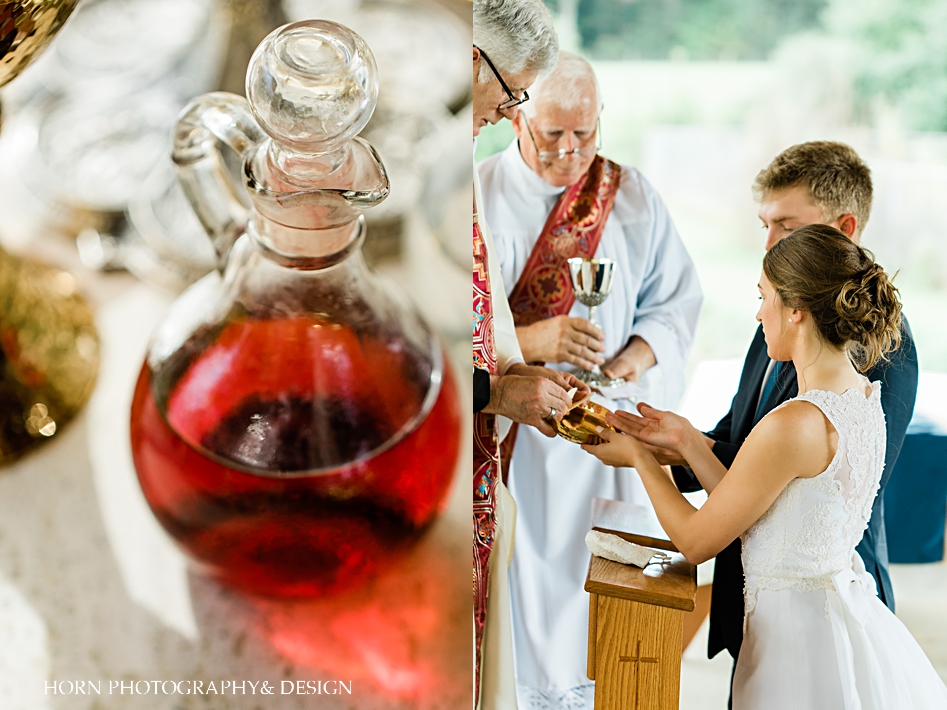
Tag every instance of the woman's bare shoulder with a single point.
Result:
(796, 413)
(797, 435)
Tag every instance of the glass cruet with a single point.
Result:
(295, 426)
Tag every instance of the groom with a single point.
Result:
(810, 183)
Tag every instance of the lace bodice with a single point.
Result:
(811, 530)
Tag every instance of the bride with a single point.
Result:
(799, 494)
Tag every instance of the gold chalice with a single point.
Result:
(26, 28)
(580, 424)
(49, 350)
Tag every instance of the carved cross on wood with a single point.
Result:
(636, 659)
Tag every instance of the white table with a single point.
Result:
(92, 589)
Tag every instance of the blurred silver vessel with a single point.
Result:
(88, 131)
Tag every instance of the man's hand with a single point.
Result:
(566, 380)
(527, 394)
(632, 362)
(576, 341)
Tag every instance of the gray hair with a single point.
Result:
(565, 86)
(517, 35)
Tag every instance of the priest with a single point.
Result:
(514, 42)
(547, 198)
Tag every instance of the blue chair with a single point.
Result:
(915, 505)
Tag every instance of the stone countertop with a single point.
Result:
(92, 589)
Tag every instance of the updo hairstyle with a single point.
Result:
(853, 303)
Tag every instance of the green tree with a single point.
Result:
(699, 29)
(899, 53)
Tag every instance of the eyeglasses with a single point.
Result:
(514, 100)
(547, 156)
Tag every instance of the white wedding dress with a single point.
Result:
(816, 635)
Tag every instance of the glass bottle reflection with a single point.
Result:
(295, 426)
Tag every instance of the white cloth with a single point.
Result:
(656, 295)
(816, 634)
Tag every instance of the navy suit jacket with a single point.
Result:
(898, 376)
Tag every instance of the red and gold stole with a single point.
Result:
(486, 454)
(573, 228)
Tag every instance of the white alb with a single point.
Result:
(656, 296)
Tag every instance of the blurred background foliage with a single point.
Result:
(897, 48)
(899, 51)
(698, 29)
(702, 94)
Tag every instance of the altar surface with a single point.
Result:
(92, 589)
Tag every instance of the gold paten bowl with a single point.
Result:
(580, 424)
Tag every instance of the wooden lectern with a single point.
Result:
(635, 627)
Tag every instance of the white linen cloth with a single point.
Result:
(657, 296)
(612, 547)
(816, 634)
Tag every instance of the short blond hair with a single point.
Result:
(837, 179)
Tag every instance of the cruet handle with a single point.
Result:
(206, 123)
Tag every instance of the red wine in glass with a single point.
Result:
(293, 457)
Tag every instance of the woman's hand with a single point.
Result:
(618, 450)
(657, 428)
(630, 424)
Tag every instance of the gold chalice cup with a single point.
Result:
(49, 349)
(582, 422)
(26, 28)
